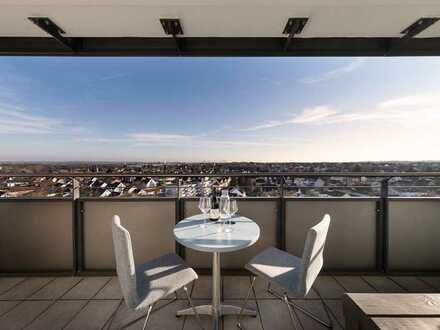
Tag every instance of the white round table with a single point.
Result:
(188, 232)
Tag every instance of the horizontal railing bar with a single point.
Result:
(252, 175)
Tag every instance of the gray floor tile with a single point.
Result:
(112, 290)
(383, 284)
(433, 281)
(335, 308)
(328, 288)
(236, 287)
(202, 288)
(354, 284)
(6, 306)
(412, 284)
(249, 322)
(23, 314)
(87, 288)
(58, 315)
(190, 322)
(26, 288)
(163, 318)
(6, 283)
(56, 288)
(318, 309)
(275, 315)
(94, 315)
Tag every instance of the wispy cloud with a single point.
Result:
(159, 137)
(308, 115)
(335, 73)
(176, 140)
(416, 100)
(312, 115)
(15, 121)
(412, 107)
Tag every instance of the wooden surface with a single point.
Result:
(400, 304)
(391, 311)
(405, 323)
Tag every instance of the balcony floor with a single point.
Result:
(96, 302)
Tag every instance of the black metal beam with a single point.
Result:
(48, 26)
(223, 47)
(172, 27)
(294, 26)
(418, 26)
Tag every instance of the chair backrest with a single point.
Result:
(312, 257)
(125, 266)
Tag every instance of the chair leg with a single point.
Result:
(313, 316)
(291, 313)
(199, 321)
(148, 316)
(302, 309)
(245, 302)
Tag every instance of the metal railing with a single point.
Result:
(279, 183)
(380, 203)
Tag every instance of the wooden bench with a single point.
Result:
(390, 311)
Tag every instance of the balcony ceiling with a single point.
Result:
(214, 18)
(217, 19)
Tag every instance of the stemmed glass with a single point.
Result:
(204, 206)
(224, 211)
(233, 209)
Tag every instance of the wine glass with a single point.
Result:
(204, 206)
(233, 207)
(224, 211)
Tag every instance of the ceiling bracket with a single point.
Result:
(48, 26)
(294, 26)
(172, 27)
(418, 26)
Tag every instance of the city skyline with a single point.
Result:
(219, 109)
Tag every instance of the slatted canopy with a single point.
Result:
(220, 27)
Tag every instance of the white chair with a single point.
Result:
(294, 275)
(146, 284)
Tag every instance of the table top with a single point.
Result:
(396, 304)
(407, 323)
(188, 232)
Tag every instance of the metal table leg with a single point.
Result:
(216, 309)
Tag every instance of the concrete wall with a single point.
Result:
(150, 224)
(414, 235)
(36, 236)
(351, 242)
(264, 213)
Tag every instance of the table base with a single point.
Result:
(224, 310)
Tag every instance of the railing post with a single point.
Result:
(180, 249)
(382, 228)
(76, 226)
(281, 232)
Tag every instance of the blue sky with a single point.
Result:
(219, 109)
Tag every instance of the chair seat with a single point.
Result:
(279, 267)
(161, 277)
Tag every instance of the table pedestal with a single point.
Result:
(216, 309)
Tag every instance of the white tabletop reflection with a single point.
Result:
(189, 233)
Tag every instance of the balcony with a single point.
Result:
(58, 266)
